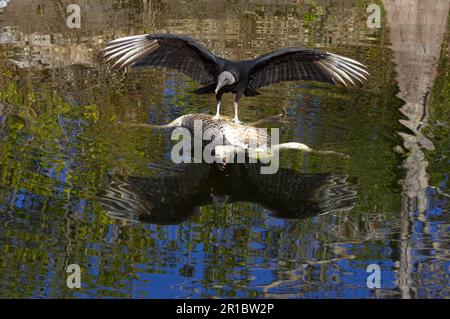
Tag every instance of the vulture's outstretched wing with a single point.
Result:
(294, 64)
(164, 50)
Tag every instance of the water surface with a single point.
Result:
(73, 184)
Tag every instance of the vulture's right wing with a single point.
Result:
(164, 50)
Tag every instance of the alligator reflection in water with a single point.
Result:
(177, 194)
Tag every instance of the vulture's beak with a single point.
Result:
(225, 78)
(221, 83)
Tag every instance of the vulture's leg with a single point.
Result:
(218, 100)
(217, 116)
(236, 106)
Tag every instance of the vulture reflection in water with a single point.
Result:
(176, 194)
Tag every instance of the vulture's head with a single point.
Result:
(225, 78)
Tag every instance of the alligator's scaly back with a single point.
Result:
(230, 137)
(225, 130)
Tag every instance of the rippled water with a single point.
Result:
(75, 187)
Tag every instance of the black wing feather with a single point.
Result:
(164, 50)
(295, 64)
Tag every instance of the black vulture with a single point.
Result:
(219, 75)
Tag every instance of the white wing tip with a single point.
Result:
(344, 70)
(127, 50)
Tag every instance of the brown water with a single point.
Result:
(74, 184)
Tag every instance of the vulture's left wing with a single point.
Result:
(294, 64)
(164, 50)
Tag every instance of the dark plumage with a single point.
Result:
(175, 194)
(221, 76)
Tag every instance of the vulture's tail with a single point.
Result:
(206, 89)
(251, 92)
